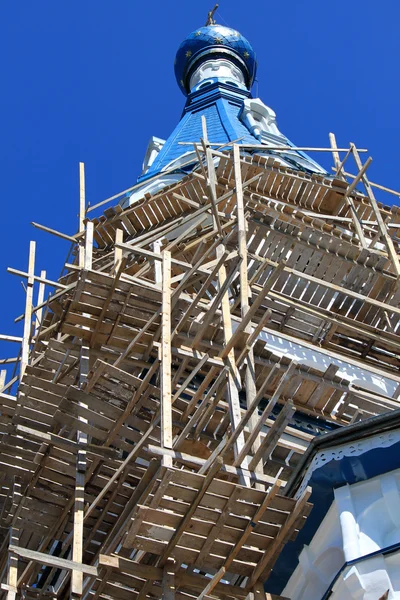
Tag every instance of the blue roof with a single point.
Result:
(220, 103)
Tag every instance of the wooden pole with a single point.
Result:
(40, 298)
(119, 238)
(166, 391)
(88, 260)
(387, 240)
(85, 262)
(335, 153)
(12, 575)
(168, 581)
(211, 180)
(28, 310)
(82, 211)
(232, 388)
(250, 374)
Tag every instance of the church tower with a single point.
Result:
(206, 404)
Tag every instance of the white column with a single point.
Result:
(348, 523)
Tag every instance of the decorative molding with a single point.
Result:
(381, 440)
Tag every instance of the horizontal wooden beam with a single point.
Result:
(37, 278)
(10, 338)
(64, 236)
(182, 457)
(53, 561)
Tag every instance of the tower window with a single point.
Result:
(205, 84)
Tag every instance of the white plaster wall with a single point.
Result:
(364, 518)
(222, 69)
(370, 579)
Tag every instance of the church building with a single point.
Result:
(208, 404)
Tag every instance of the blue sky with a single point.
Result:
(92, 81)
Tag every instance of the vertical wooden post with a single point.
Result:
(349, 201)
(12, 575)
(387, 240)
(166, 391)
(88, 246)
(80, 472)
(3, 375)
(82, 211)
(168, 581)
(119, 238)
(77, 544)
(85, 262)
(28, 310)
(250, 376)
(232, 388)
(211, 182)
(335, 153)
(157, 265)
(40, 298)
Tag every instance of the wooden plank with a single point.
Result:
(272, 553)
(185, 521)
(387, 240)
(168, 581)
(271, 439)
(245, 293)
(82, 213)
(53, 561)
(166, 357)
(119, 238)
(14, 535)
(266, 413)
(211, 180)
(238, 546)
(205, 465)
(39, 304)
(28, 311)
(233, 383)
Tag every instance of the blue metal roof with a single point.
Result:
(221, 104)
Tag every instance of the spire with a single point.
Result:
(215, 67)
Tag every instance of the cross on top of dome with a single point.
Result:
(210, 18)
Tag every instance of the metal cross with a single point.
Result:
(210, 19)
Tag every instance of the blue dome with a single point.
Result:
(214, 41)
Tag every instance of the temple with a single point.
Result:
(206, 403)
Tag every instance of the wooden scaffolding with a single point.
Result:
(145, 451)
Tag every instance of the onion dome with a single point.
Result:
(210, 42)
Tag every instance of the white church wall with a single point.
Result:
(363, 519)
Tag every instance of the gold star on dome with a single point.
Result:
(197, 33)
(218, 40)
(188, 54)
(246, 54)
(236, 33)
